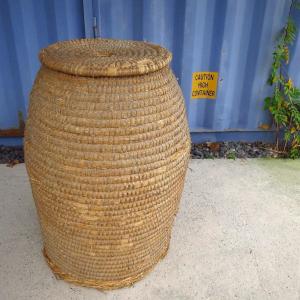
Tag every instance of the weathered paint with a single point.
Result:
(232, 37)
(25, 28)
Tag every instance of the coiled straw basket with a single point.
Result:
(107, 146)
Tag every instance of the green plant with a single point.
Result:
(231, 155)
(284, 104)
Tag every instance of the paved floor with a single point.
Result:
(237, 236)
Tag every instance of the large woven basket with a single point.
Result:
(107, 146)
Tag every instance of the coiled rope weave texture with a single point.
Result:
(106, 149)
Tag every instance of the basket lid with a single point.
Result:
(104, 57)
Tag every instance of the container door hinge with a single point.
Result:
(95, 28)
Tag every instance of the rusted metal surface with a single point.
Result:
(14, 132)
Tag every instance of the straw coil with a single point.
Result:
(106, 150)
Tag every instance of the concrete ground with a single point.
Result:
(237, 236)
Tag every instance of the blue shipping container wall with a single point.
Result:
(232, 37)
(25, 28)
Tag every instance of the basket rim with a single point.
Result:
(105, 57)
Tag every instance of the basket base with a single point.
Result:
(98, 284)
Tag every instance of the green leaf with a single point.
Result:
(295, 153)
(287, 136)
(267, 103)
(290, 31)
(296, 4)
(295, 94)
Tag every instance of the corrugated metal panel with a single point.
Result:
(294, 69)
(233, 37)
(25, 28)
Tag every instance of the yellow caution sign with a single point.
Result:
(204, 85)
